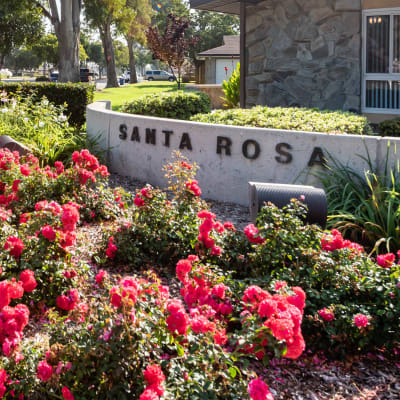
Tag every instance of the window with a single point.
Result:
(381, 61)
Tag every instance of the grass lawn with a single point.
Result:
(126, 93)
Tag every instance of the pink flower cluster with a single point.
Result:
(126, 293)
(282, 313)
(207, 226)
(14, 319)
(387, 260)
(192, 186)
(88, 166)
(259, 390)
(14, 246)
(111, 249)
(326, 314)
(145, 193)
(251, 232)
(68, 301)
(65, 220)
(154, 378)
(335, 241)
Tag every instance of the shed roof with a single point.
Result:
(231, 47)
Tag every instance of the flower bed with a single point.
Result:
(102, 335)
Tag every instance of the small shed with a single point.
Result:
(217, 64)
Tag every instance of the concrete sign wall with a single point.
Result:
(228, 156)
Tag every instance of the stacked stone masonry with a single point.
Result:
(304, 53)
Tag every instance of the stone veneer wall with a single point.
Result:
(304, 53)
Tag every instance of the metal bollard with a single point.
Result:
(280, 195)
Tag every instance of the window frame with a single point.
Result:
(377, 76)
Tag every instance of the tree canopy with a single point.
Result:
(20, 23)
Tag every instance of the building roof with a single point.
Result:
(231, 48)
(224, 6)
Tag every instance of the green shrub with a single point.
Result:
(41, 126)
(76, 95)
(179, 105)
(231, 89)
(365, 207)
(390, 127)
(335, 274)
(298, 119)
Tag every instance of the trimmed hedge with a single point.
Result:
(390, 128)
(179, 105)
(297, 119)
(76, 95)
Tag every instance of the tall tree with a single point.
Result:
(104, 15)
(66, 23)
(165, 7)
(211, 28)
(95, 53)
(134, 27)
(46, 49)
(172, 45)
(20, 23)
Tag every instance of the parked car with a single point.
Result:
(42, 78)
(86, 75)
(156, 75)
(54, 76)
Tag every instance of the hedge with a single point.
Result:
(179, 105)
(76, 95)
(297, 119)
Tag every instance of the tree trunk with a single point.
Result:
(108, 47)
(67, 29)
(2, 57)
(132, 63)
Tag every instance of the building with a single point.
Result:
(331, 54)
(217, 64)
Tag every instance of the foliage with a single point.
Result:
(20, 23)
(46, 49)
(172, 45)
(134, 27)
(364, 207)
(337, 276)
(211, 27)
(299, 119)
(23, 59)
(102, 15)
(179, 105)
(41, 126)
(77, 96)
(390, 127)
(231, 89)
(47, 229)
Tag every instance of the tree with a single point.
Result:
(211, 27)
(142, 57)
(46, 49)
(163, 8)
(66, 23)
(20, 23)
(23, 59)
(95, 54)
(103, 15)
(134, 28)
(173, 44)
